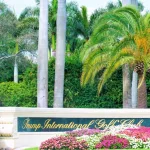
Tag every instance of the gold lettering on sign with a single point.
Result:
(127, 121)
(96, 123)
(100, 123)
(72, 125)
(27, 125)
(131, 122)
(140, 122)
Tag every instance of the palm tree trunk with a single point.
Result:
(126, 71)
(126, 86)
(142, 93)
(134, 89)
(42, 75)
(15, 71)
(60, 54)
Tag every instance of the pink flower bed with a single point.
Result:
(77, 133)
(117, 137)
(65, 143)
(112, 142)
(142, 133)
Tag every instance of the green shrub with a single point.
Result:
(7, 68)
(75, 96)
(21, 95)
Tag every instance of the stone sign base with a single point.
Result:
(28, 127)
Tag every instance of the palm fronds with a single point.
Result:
(120, 37)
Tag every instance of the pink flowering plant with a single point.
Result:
(142, 133)
(64, 143)
(116, 137)
(78, 133)
(112, 142)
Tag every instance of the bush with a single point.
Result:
(7, 68)
(75, 96)
(21, 95)
(64, 143)
(112, 142)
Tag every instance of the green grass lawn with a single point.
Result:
(32, 148)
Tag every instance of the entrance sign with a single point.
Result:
(33, 124)
(19, 127)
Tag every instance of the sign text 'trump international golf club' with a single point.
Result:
(33, 124)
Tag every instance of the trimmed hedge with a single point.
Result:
(20, 95)
(24, 93)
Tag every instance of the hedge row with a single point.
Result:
(75, 96)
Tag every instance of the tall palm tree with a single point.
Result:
(127, 102)
(42, 76)
(132, 48)
(60, 54)
(16, 65)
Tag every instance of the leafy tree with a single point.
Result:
(83, 25)
(8, 22)
(72, 36)
(52, 22)
(132, 48)
(27, 29)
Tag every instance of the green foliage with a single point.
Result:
(75, 96)
(148, 88)
(7, 68)
(8, 23)
(34, 148)
(24, 93)
(113, 52)
(13, 94)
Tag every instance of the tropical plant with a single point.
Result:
(27, 29)
(73, 41)
(52, 23)
(127, 43)
(127, 100)
(84, 26)
(60, 55)
(8, 22)
(42, 74)
(8, 34)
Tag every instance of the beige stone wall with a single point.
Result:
(13, 139)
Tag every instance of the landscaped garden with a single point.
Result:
(118, 137)
(99, 61)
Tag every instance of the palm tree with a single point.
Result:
(84, 24)
(42, 76)
(132, 48)
(16, 64)
(127, 101)
(27, 29)
(8, 30)
(73, 19)
(60, 54)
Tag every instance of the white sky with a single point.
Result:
(18, 5)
